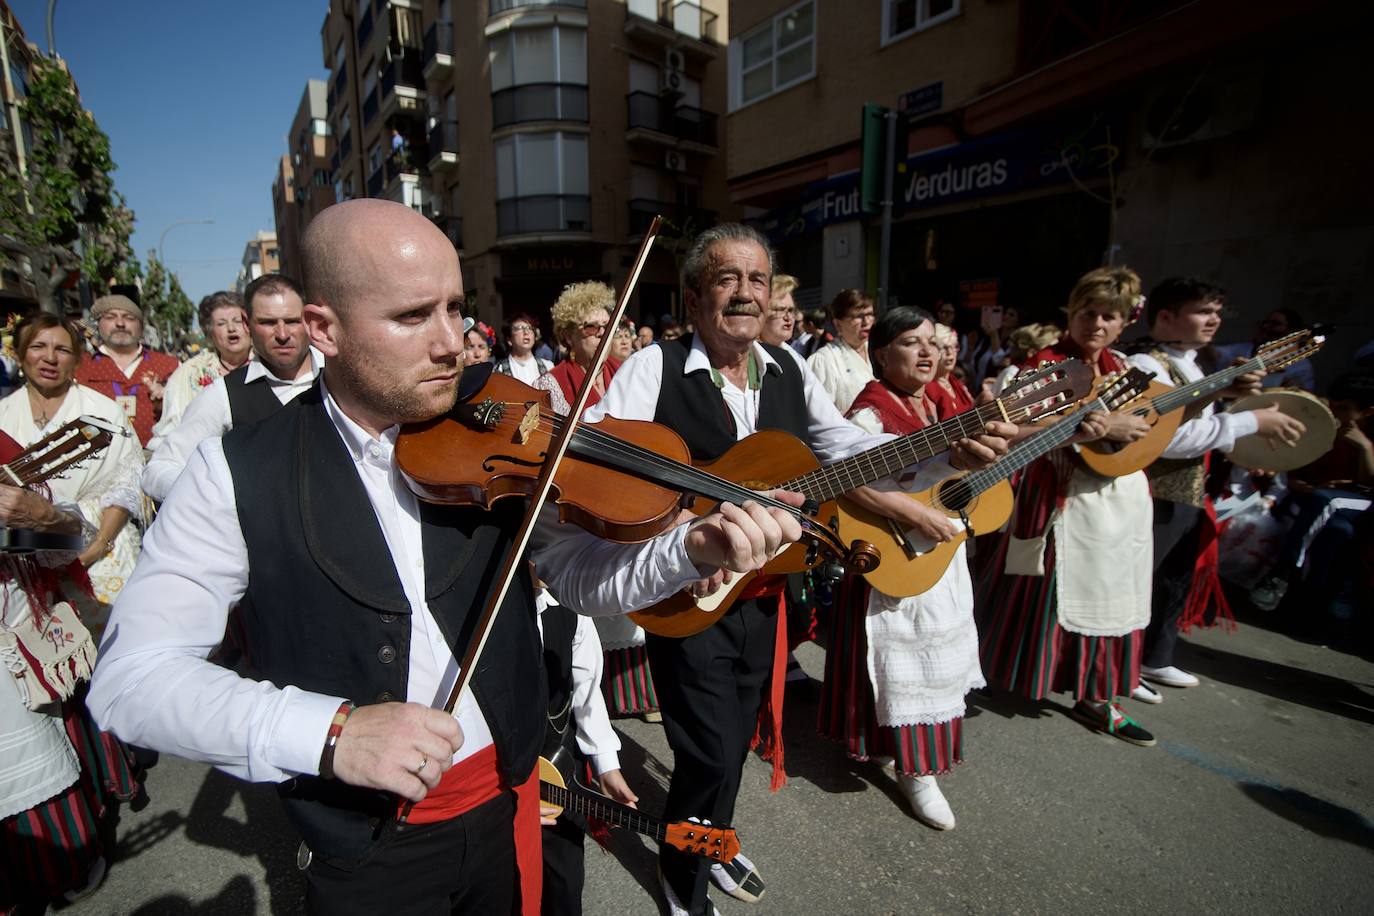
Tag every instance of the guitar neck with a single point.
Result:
(887, 459)
(602, 808)
(1038, 445)
(1184, 395)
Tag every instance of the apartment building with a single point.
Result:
(304, 184)
(260, 256)
(541, 136)
(1043, 139)
(17, 291)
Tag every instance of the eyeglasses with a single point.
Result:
(520, 327)
(593, 328)
(859, 316)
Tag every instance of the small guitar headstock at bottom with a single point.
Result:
(719, 844)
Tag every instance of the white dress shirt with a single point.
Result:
(155, 687)
(633, 395)
(1211, 429)
(209, 415)
(596, 739)
(842, 371)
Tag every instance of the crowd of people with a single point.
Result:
(276, 601)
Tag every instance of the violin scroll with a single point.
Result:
(863, 557)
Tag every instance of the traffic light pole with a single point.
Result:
(885, 245)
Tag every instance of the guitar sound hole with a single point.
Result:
(955, 495)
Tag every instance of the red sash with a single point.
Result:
(475, 781)
(768, 729)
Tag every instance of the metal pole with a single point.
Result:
(885, 246)
(52, 44)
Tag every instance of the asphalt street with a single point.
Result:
(1258, 799)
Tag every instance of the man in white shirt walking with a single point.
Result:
(284, 367)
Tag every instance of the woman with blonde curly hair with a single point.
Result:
(580, 319)
(1064, 601)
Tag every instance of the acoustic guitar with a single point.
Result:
(978, 501)
(772, 458)
(1164, 407)
(561, 790)
(64, 448)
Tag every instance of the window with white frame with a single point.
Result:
(905, 17)
(776, 55)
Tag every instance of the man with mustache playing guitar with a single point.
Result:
(714, 389)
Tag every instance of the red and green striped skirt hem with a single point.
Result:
(49, 849)
(1024, 650)
(847, 711)
(627, 684)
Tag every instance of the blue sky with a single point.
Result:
(196, 97)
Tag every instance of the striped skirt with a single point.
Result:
(49, 849)
(627, 683)
(847, 713)
(1024, 649)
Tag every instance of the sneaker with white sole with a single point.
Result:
(926, 801)
(1169, 676)
(739, 878)
(1144, 693)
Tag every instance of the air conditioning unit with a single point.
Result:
(674, 59)
(672, 82)
(1215, 106)
(674, 161)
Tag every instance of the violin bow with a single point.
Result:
(558, 447)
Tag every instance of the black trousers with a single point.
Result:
(564, 867)
(709, 688)
(1178, 529)
(462, 865)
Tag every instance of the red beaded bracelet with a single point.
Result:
(332, 738)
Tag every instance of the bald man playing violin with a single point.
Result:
(714, 389)
(356, 599)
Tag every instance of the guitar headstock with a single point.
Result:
(69, 445)
(1121, 388)
(1284, 351)
(1046, 389)
(719, 844)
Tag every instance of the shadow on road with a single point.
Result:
(648, 776)
(238, 896)
(1010, 705)
(1320, 817)
(1283, 682)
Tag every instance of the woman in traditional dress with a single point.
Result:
(580, 317)
(59, 775)
(1065, 598)
(897, 669)
(106, 488)
(949, 395)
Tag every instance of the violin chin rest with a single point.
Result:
(473, 380)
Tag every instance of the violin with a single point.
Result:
(623, 480)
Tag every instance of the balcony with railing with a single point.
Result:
(539, 102)
(400, 165)
(544, 213)
(667, 22)
(658, 120)
(402, 87)
(437, 51)
(443, 146)
(686, 220)
(364, 28)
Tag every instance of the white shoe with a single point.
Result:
(94, 878)
(926, 801)
(1146, 694)
(675, 907)
(881, 760)
(1169, 677)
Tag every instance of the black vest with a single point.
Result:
(326, 612)
(692, 405)
(560, 627)
(249, 401)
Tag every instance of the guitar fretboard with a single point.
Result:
(602, 808)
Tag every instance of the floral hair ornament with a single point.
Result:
(7, 336)
(1137, 309)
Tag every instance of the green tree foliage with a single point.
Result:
(67, 194)
(165, 304)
